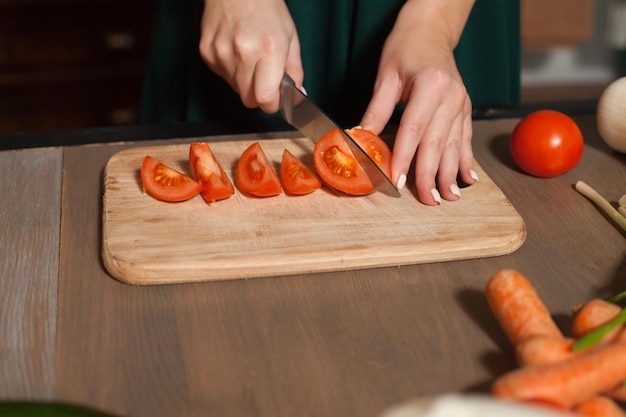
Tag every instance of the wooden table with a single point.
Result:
(332, 344)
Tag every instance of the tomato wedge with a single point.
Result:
(206, 169)
(254, 173)
(336, 165)
(165, 183)
(297, 178)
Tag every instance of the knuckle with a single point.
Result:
(444, 82)
(414, 129)
(205, 48)
(437, 142)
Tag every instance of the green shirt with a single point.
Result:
(341, 41)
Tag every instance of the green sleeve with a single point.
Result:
(341, 42)
(488, 54)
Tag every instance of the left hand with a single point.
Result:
(417, 66)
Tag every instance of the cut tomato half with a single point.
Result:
(165, 183)
(336, 165)
(296, 177)
(255, 175)
(206, 170)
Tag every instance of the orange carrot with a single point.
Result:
(518, 309)
(599, 406)
(542, 350)
(618, 393)
(622, 334)
(592, 315)
(567, 383)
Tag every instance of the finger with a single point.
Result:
(267, 78)
(413, 124)
(218, 57)
(293, 66)
(429, 156)
(466, 164)
(243, 84)
(449, 164)
(381, 106)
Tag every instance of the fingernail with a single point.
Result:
(454, 189)
(436, 195)
(401, 182)
(357, 127)
(304, 90)
(474, 175)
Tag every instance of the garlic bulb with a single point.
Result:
(611, 115)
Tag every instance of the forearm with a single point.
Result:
(439, 22)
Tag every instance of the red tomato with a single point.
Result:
(165, 183)
(546, 143)
(254, 173)
(296, 177)
(336, 164)
(209, 173)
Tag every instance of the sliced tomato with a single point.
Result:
(206, 169)
(165, 183)
(336, 165)
(254, 173)
(296, 177)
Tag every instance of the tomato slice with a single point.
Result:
(296, 177)
(206, 169)
(165, 183)
(336, 165)
(254, 173)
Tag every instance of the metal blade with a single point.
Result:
(313, 123)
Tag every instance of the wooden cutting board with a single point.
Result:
(146, 241)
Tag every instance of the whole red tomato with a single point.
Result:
(546, 143)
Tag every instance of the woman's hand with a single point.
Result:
(250, 44)
(417, 67)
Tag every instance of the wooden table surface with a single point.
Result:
(329, 344)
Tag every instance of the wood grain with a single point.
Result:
(343, 343)
(29, 265)
(146, 241)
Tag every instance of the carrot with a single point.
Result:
(599, 406)
(518, 309)
(567, 383)
(592, 315)
(542, 350)
(610, 330)
(618, 393)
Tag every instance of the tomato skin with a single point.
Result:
(297, 178)
(255, 175)
(546, 143)
(207, 170)
(336, 165)
(165, 183)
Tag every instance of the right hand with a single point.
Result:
(251, 44)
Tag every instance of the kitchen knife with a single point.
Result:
(300, 112)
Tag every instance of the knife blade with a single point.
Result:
(300, 112)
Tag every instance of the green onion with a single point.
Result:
(595, 336)
(601, 202)
(617, 298)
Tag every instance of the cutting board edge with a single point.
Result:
(134, 274)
